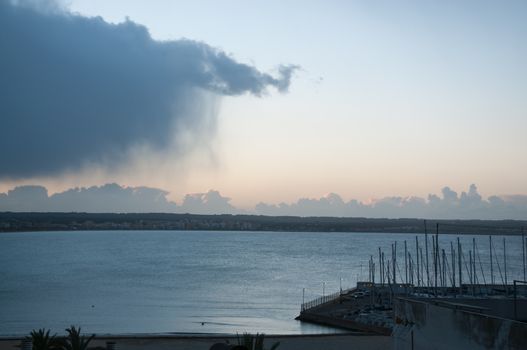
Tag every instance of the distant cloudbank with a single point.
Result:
(114, 198)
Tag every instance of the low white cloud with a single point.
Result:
(112, 198)
(450, 205)
(116, 198)
(211, 202)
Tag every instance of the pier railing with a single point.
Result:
(321, 300)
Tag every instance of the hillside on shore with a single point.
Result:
(13, 222)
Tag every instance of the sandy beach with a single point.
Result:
(204, 342)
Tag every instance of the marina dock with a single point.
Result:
(436, 300)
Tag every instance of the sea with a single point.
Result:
(191, 282)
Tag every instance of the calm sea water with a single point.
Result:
(190, 282)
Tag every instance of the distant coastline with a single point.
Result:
(20, 222)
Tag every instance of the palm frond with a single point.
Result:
(41, 340)
(75, 341)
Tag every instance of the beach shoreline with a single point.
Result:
(203, 341)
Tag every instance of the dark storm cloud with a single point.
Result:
(75, 89)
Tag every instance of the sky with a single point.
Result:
(369, 100)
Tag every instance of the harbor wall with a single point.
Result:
(499, 307)
(426, 325)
